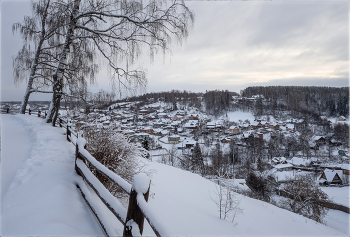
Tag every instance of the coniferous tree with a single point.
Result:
(197, 159)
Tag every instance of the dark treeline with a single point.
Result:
(328, 101)
(215, 102)
(218, 101)
(184, 98)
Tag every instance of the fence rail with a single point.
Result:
(324, 203)
(138, 209)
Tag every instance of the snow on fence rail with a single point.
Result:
(138, 209)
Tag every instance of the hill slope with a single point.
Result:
(183, 202)
(43, 200)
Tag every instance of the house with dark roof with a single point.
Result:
(331, 177)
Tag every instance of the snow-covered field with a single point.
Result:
(338, 220)
(42, 199)
(338, 195)
(184, 201)
(238, 115)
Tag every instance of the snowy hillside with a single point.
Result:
(183, 201)
(39, 196)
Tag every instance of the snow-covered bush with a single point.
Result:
(117, 153)
(304, 197)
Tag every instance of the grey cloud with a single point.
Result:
(300, 81)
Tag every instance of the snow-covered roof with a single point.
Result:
(299, 161)
(345, 166)
(290, 125)
(281, 166)
(330, 174)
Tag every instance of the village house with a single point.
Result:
(283, 167)
(256, 124)
(234, 129)
(190, 125)
(141, 136)
(188, 144)
(299, 162)
(341, 118)
(193, 117)
(211, 125)
(225, 140)
(177, 118)
(180, 113)
(290, 127)
(278, 160)
(162, 115)
(331, 177)
(173, 139)
(146, 130)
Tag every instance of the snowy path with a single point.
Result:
(41, 198)
(14, 158)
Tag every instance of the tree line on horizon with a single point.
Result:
(310, 102)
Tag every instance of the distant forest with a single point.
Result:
(328, 101)
(300, 100)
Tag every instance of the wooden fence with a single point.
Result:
(324, 203)
(138, 209)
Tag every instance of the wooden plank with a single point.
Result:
(93, 211)
(117, 215)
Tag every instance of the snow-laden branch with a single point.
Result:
(99, 14)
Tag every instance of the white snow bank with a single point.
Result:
(182, 201)
(338, 220)
(141, 183)
(151, 217)
(42, 199)
(12, 157)
(238, 115)
(339, 195)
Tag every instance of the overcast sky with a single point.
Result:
(234, 44)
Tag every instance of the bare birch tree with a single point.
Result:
(37, 30)
(47, 29)
(119, 30)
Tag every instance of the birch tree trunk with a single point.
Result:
(35, 62)
(57, 77)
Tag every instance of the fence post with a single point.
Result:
(68, 133)
(39, 113)
(134, 212)
(60, 121)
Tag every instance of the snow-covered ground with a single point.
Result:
(13, 158)
(42, 199)
(183, 200)
(338, 220)
(338, 195)
(39, 196)
(238, 115)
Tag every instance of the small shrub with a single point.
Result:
(115, 151)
